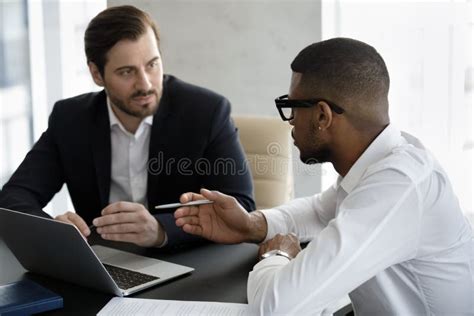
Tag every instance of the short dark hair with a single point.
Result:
(349, 72)
(111, 26)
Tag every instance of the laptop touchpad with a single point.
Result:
(129, 261)
(123, 259)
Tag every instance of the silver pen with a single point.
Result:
(176, 205)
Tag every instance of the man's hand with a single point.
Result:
(76, 220)
(287, 243)
(224, 221)
(129, 222)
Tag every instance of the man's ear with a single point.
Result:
(324, 115)
(95, 73)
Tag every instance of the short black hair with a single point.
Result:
(347, 70)
(347, 65)
(111, 26)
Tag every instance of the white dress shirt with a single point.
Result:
(390, 233)
(129, 158)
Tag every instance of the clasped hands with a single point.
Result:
(288, 243)
(122, 221)
(226, 221)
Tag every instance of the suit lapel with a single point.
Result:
(101, 147)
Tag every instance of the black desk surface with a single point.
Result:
(220, 275)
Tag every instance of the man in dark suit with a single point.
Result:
(142, 141)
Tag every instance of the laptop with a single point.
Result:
(52, 248)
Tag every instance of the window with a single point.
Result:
(428, 50)
(42, 60)
(16, 134)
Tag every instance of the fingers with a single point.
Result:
(129, 237)
(186, 211)
(122, 206)
(190, 224)
(262, 249)
(76, 220)
(224, 200)
(211, 195)
(116, 218)
(190, 220)
(129, 222)
(190, 196)
(193, 229)
(141, 235)
(205, 194)
(288, 243)
(123, 212)
(119, 229)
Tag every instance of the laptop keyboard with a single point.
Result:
(127, 279)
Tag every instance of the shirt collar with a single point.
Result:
(113, 119)
(379, 148)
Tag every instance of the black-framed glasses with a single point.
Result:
(285, 106)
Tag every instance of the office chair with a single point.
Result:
(267, 145)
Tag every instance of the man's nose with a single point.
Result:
(143, 81)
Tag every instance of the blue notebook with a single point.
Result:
(27, 297)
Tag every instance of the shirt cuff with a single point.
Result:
(274, 218)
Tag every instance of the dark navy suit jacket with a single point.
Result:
(193, 144)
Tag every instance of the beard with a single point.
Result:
(315, 151)
(128, 109)
(316, 155)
